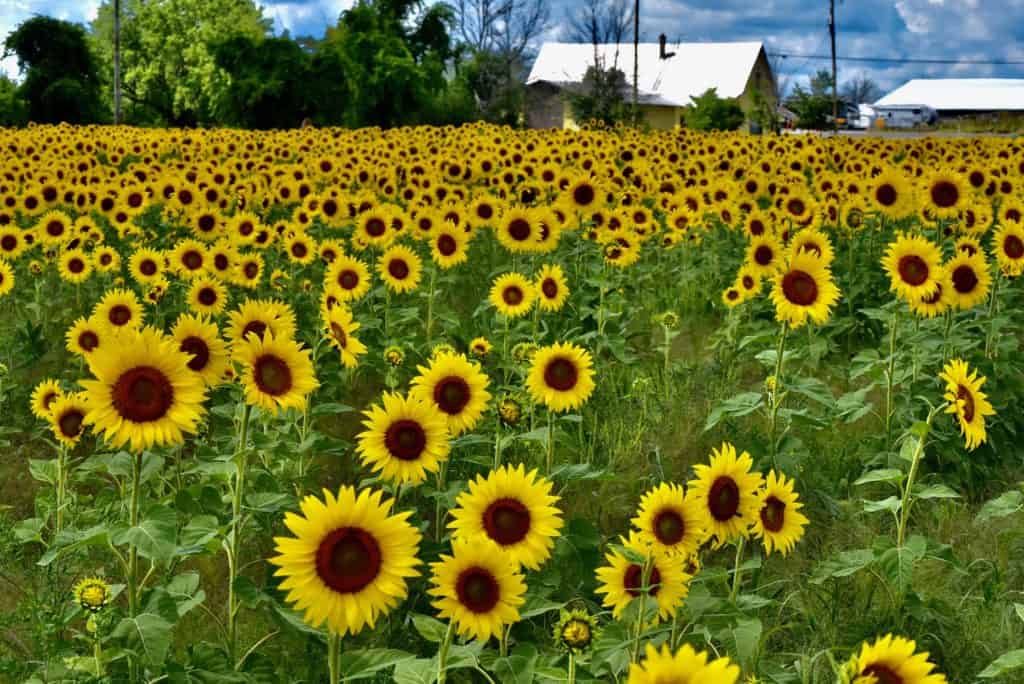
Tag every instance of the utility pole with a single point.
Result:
(636, 62)
(835, 83)
(117, 62)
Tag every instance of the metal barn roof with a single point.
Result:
(693, 68)
(969, 94)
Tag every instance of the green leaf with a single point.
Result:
(536, 605)
(891, 503)
(935, 491)
(363, 664)
(1007, 662)
(415, 671)
(1019, 609)
(898, 562)
(892, 475)
(747, 635)
(156, 537)
(149, 635)
(738, 405)
(1002, 506)
(43, 470)
(431, 629)
(843, 564)
(518, 667)
(69, 540)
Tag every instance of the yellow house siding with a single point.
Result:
(655, 116)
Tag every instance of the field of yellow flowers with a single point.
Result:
(484, 405)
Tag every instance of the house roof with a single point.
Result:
(971, 94)
(693, 68)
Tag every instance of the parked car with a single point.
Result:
(903, 116)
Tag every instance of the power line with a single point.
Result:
(898, 60)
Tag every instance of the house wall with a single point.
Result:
(544, 106)
(657, 117)
(761, 80)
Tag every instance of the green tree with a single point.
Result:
(13, 111)
(709, 112)
(600, 96)
(60, 73)
(168, 67)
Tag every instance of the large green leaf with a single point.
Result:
(365, 663)
(156, 536)
(148, 634)
(1008, 662)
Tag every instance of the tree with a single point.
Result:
(860, 89)
(600, 96)
(599, 21)
(167, 63)
(709, 112)
(61, 82)
(13, 111)
(813, 105)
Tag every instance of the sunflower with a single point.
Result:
(733, 296)
(223, 259)
(249, 270)
(561, 376)
(400, 268)
(804, 289)
(891, 194)
(966, 400)
(6, 277)
(349, 561)
(200, 338)
(971, 279)
(207, 296)
(514, 509)
(107, 260)
(891, 660)
(260, 317)
(119, 309)
(584, 194)
(373, 226)
(456, 387)
(277, 372)
(54, 227)
(780, 523)
(748, 281)
(937, 302)
(480, 347)
(512, 295)
(43, 396)
(764, 254)
(686, 666)
(144, 393)
(85, 336)
(1008, 244)
(339, 329)
(576, 630)
(189, 258)
(552, 288)
(622, 580)
(301, 248)
(75, 266)
(519, 230)
(727, 492)
(350, 276)
(404, 439)
(914, 265)
(67, 417)
(478, 588)
(12, 242)
(448, 246)
(813, 242)
(945, 193)
(669, 521)
(146, 265)
(92, 594)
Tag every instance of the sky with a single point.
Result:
(961, 30)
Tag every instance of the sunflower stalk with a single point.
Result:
(915, 462)
(61, 489)
(430, 306)
(990, 338)
(890, 375)
(133, 555)
(645, 576)
(550, 445)
(737, 571)
(333, 657)
(776, 393)
(234, 546)
(571, 677)
(442, 654)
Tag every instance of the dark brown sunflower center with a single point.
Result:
(48, 399)
(207, 296)
(669, 527)
(913, 270)
(192, 260)
(507, 521)
(106, 259)
(251, 270)
(76, 265)
(119, 314)
(8, 243)
(446, 245)
(221, 262)
(147, 267)
(763, 255)
(757, 227)
(512, 295)
(633, 582)
(398, 269)
(561, 374)
(338, 333)
(70, 423)
(519, 229)
(965, 395)
(142, 394)
(257, 327)
(207, 223)
(724, 499)
(485, 211)
(348, 279)
(1013, 247)
(272, 375)
(748, 282)
(55, 228)
(773, 514)
(451, 394)
(405, 439)
(796, 206)
(800, 288)
(246, 228)
(348, 559)
(976, 179)
(299, 250)
(886, 195)
(478, 590)
(200, 351)
(965, 280)
(550, 288)
(583, 195)
(945, 194)
(375, 227)
(88, 340)
(882, 674)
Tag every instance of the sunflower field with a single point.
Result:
(486, 405)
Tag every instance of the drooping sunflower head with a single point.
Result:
(200, 339)
(478, 587)
(966, 400)
(92, 594)
(779, 522)
(552, 288)
(277, 372)
(727, 492)
(514, 509)
(67, 417)
(400, 268)
(119, 309)
(891, 660)
(43, 396)
(144, 393)
(639, 570)
(512, 295)
(804, 290)
(561, 376)
(914, 264)
(669, 521)
(405, 438)
(510, 411)
(456, 386)
(339, 330)
(685, 666)
(349, 561)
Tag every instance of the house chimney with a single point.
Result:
(662, 54)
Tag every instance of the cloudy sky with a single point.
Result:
(962, 30)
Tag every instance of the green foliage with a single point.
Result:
(600, 96)
(709, 112)
(13, 110)
(60, 74)
(813, 106)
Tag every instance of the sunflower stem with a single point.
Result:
(504, 348)
(550, 445)
(430, 306)
(644, 590)
(990, 338)
(571, 679)
(915, 462)
(503, 641)
(133, 555)
(737, 571)
(61, 488)
(776, 396)
(497, 443)
(890, 375)
(234, 546)
(334, 657)
(442, 654)
(442, 472)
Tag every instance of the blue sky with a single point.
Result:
(978, 30)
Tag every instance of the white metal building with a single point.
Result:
(959, 96)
